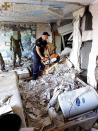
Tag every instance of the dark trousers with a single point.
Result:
(38, 67)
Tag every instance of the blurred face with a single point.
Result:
(44, 37)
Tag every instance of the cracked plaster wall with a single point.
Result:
(94, 50)
(77, 43)
(28, 35)
(77, 39)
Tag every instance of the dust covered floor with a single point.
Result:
(36, 95)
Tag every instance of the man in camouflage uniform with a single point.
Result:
(16, 46)
(2, 64)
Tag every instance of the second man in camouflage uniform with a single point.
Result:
(16, 46)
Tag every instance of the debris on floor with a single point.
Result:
(41, 98)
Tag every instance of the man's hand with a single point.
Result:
(22, 49)
(10, 48)
(42, 58)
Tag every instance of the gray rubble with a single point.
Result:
(40, 97)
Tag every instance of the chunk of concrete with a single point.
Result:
(5, 109)
(9, 87)
(22, 73)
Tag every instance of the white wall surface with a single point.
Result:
(66, 29)
(77, 39)
(94, 51)
(77, 42)
(85, 51)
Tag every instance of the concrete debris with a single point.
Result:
(96, 125)
(46, 121)
(66, 51)
(29, 105)
(48, 94)
(43, 93)
(57, 119)
(32, 116)
(37, 112)
(89, 124)
(22, 73)
(40, 97)
(5, 109)
(54, 98)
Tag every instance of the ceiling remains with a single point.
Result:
(40, 11)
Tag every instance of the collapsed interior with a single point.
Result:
(65, 97)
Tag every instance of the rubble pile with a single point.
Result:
(39, 96)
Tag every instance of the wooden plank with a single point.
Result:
(50, 69)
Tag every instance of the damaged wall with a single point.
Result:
(78, 40)
(85, 51)
(28, 35)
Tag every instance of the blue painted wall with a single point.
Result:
(28, 36)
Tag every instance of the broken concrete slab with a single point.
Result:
(5, 109)
(38, 93)
(66, 52)
(22, 73)
(9, 87)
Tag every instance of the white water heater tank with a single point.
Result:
(78, 101)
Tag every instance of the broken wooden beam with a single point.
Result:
(51, 69)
